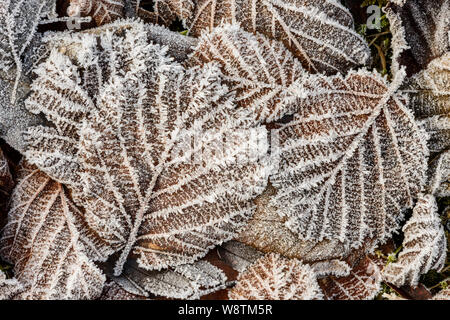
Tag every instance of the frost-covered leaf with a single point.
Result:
(239, 255)
(267, 232)
(426, 26)
(350, 161)
(47, 240)
(319, 32)
(439, 176)
(19, 20)
(429, 91)
(363, 282)
(190, 281)
(424, 246)
(273, 277)
(102, 11)
(113, 291)
(146, 188)
(6, 183)
(442, 295)
(260, 70)
(9, 287)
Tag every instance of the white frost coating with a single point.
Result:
(439, 173)
(424, 246)
(102, 11)
(399, 43)
(9, 288)
(350, 161)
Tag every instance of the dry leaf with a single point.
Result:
(439, 176)
(261, 71)
(320, 33)
(424, 246)
(442, 295)
(167, 11)
(102, 11)
(350, 161)
(273, 277)
(48, 242)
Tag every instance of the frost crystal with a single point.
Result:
(350, 161)
(113, 291)
(102, 11)
(273, 277)
(159, 157)
(48, 242)
(424, 246)
(167, 11)
(261, 71)
(320, 33)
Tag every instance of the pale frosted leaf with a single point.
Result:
(429, 92)
(363, 282)
(102, 11)
(189, 281)
(350, 161)
(9, 288)
(424, 246)
(267, 232)
(320, 33)
(48, 242)
(398, 43)
(144, 189)
(260, 70)
(273, 277)
(427, 26)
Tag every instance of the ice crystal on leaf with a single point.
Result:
(273, 277)
(319, 33)
(350, 161)
(121, 148)
(167, 11)
(430, 99)
(261, 71)
(113, 291)
(442, 295)
(48, 241)
(424, 246)
(102, 11)
(9, 288)
(363, 282)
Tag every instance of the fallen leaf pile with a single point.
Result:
(253, 156)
